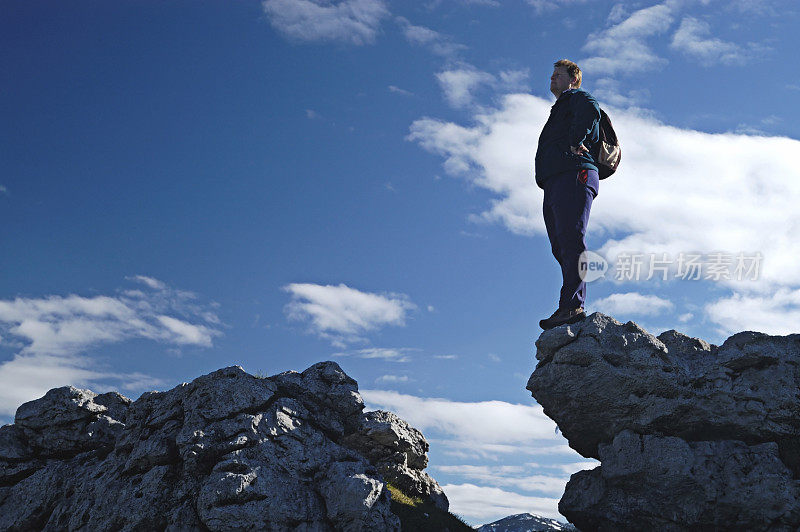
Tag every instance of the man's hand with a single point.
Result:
(580, 150)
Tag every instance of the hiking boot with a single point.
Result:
(562, 317)
(545, 322)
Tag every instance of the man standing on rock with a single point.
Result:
(567, 171)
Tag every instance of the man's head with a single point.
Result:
(566, 75)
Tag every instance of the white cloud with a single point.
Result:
(617, 14)
(633, 303)
(432, 4)
(471, 450)
(492, 3)
(739, 189)
(392, 378)
(436, 42)
(382, 353)
(542, 6)
(459, 85)
(485, 422)
(398, 90)
(341, 313)
(692, 38)
(462, 83)
(187, 333)
(484, 503)
(777, 313)
(58, 325)
(610, 92)
(757, 7)
(155, 284)
(3, 190)
(54, 334)
(514, 477)
(489, 430)
(677, 190)
(446, 357)
(350, 21)
(623, 47)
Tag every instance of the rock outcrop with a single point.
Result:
(690, 436)
(228, 451)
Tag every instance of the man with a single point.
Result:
(567, 171)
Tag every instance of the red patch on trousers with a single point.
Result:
(583, 175)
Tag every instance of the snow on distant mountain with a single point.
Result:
(526, 523)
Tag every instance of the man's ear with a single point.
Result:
(573, 82)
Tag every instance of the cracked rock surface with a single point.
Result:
(228, 451)
(690, 436)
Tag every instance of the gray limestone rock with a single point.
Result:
(399, 452)
(227, 451)
(691, 436)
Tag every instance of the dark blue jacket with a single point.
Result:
(574, 119)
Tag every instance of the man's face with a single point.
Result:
(560, 81)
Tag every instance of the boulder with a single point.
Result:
(690, 435)
(227, 451)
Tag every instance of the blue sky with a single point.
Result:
(185, 186)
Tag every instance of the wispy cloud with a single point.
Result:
(350, 21)
(527, 477)
(624, 47)
(542, 6)
(610, 91)
(478, 426)
(155, 284)
(3, 190)
(618, 13)
(53, 335)
(343, 314)
(777, 313)
(633, 303)
(398, 90)
(392, 378)
(485, 503)
(693, 38)
(461, 84)
(436, 42)
(381, 353)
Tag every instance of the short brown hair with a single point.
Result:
(572, 69)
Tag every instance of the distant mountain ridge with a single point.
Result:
(526, 523)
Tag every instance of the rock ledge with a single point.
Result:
(690, 436)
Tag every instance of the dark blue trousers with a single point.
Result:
(567, 202)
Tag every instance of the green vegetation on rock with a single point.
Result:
(418, 515)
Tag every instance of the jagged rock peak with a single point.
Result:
(227, 451)
(690, 435)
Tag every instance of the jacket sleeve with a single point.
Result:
(585, 115)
